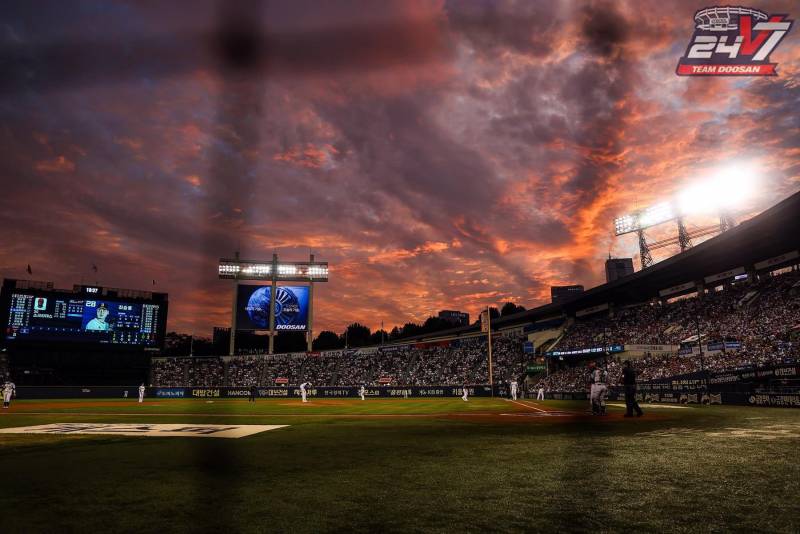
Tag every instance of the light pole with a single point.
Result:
(489, 334)
(703, 373)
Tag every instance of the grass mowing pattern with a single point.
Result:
(674, 470)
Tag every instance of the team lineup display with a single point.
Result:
(55, 316)
(291, 307)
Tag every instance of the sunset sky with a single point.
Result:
(439, 155)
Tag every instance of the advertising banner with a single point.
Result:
(590, 311)
(777, 260)
(677, 289)
(645, 394)
(584, 351)
(724, 275)
(653, 348)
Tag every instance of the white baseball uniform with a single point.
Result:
(141, 393)
(303, 391)
(8, 390)
(514, 389)
(361, 392)
(598, 390)
(465, 396)
(540, 394)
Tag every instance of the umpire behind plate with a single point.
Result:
(629, 381)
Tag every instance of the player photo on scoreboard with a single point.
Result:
(98, 316)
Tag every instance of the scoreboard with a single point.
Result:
(88, 315)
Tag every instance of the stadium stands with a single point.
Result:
(759, 312)
(458, 363)
(761, 321)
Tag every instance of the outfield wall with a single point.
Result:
(731, 398)
(56, 392)
(685, 396)
(765, 386)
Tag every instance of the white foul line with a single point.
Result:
(527, 405)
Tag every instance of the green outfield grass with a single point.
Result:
(401, 465)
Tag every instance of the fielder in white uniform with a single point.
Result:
(598, 390)
(9, 390)
(141, 393)
(540, 393)
(465, 396)
(304, 390)
(514, 389)
(362, 392)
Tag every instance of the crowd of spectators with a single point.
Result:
(576, 377)
(764, 311)
(169, 372)
(762, 319)
(206, 372)
(458, 363)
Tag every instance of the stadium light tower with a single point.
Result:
(274, 272)
(726, 190)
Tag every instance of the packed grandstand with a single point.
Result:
(742, 324)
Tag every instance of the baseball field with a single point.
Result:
(394, 465)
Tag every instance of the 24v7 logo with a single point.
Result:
(733, 41)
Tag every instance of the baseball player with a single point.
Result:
(141, 393)
(598, 390)
(9, 390)
(540, 393)
(362, 392)
(513, 389)
(465, 396)
(304, 390)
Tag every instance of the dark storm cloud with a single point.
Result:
(495, 27)
(238, 41)
(604, 29)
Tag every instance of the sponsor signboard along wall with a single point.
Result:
(291, 308)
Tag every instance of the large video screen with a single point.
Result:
(291, 308)
(54, 316)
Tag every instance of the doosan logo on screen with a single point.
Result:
(733, 41)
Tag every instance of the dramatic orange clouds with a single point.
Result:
(440, 155)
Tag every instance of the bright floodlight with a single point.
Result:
(301, 271)
(727, 189)
(651, 216)
(656, 214)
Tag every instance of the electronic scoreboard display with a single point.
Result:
(291, 307)
(61, 316)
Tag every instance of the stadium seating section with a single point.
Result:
(764, 318)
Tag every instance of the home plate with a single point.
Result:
(145, 429)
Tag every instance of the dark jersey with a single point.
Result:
(629, 376)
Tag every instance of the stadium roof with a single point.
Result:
(772, 233)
